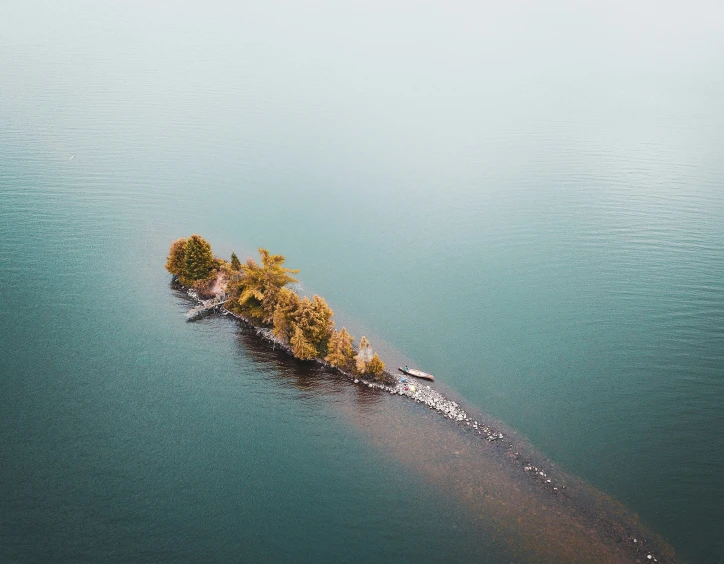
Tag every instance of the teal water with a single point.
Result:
(527, 203)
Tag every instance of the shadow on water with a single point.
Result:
(499, 483)
(305, 376)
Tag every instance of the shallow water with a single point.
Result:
(538, 225)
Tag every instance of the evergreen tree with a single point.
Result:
(323, 324)
(259, 291)
(276, 276)
(301, 348)
(285, 314)
(260, 285)
(340, 348)
(198, 261)
(175, 263)
(314, 317)
(375, 365)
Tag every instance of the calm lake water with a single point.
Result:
(525, 200)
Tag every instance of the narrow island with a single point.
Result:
(259, 296)
(258, 293)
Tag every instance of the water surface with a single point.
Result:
(526, 201)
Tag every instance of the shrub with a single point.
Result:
(175, 262)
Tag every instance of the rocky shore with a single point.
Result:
(390, 383)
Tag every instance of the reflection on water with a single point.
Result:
(524, 198)
(305, 376)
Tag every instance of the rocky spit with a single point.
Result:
(391, 383)
(423, 394)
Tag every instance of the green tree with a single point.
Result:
(199, 261)
(176, 261)
(340, 348)
(375, 365)
(235, 262)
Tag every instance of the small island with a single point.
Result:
(259, 294)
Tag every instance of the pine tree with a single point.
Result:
(323, 324)
(175, 263)
(301, 348)
(376, 366)
(285, 314)
(314, 317)
(340, 348)
(275, 277)
(198, 261)
(258, 288)
(259, 292)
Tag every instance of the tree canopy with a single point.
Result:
(284, 314)
(198, 260)
(375, 365)
(256, 291)
(260, 292)
(301, 347)
(340, 350)
(311, 318)
(191, 260)
(176, 261)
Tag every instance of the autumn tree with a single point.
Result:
(375, 365)
(275, 277)
(340, 348)
(175, 263)
(285, 314)
(259, 291)
(259, 287)
(363, 356)
(199, 263)
(301, 347)
(314, 317)
(296, 318)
